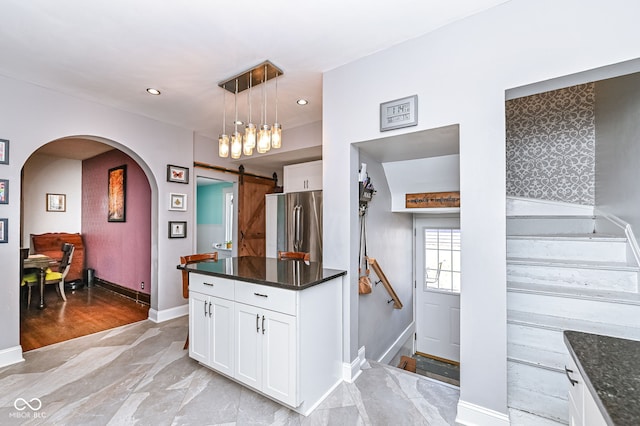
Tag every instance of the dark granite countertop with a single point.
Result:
(289, 274)
(610, 367)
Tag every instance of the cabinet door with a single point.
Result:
(279, 358)
(248, 368)
(303, 177)
(222, 344)
(199, 327)
(314, 176)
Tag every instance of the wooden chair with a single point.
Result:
(52, 277)
(187, 260)
(297, 255)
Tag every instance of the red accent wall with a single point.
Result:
(120, 252)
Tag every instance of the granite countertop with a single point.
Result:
(610, 367)
(289, 274)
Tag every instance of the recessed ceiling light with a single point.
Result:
(239, 122)
(302, 101)
(153, 91)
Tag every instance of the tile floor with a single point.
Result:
(139, 374)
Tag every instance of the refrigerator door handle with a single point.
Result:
(297, 231)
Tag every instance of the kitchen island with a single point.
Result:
(604, 377)
(272, 325)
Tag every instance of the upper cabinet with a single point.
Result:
(303, 177)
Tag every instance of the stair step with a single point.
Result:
(590, 247)
(584, 274)
(523, 418)
(538, 390)
(611, 307)
(537, 356)
(517, 225)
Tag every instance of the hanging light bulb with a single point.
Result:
(276, 130)
(250, 128)
(264, 136)
(236, 137)
(223, 139)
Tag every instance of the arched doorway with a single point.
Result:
(119, 252)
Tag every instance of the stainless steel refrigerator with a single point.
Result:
(303, 223)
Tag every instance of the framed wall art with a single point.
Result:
(56, 202)
(117, 194)
(4, 230)
(177, 174)
(178, 202)
(177, 229)
(4, 151)
(399, 113)
(4, 191)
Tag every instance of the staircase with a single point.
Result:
(561, 275)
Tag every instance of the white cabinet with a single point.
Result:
(303, 177)
(266, 352)
(583, 410)
(211, 324)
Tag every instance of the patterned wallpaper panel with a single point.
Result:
(551, 145)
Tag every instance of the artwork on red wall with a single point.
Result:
(117, 194)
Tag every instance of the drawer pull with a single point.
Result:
(209, 284)
(572, 381)
(257, 323)
(261, 295)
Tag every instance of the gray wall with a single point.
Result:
(618, 148)
(389, 241)
(551, 145)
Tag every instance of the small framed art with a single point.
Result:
(56, 202)
(4, 230)
(4, 191)
(177, 229)
(178, 202)
(177, 174)
(117, 194)
(399, 113)
(4, 151)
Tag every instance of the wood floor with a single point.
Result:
(86, 311)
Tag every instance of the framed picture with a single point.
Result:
(178, 202)
(117, 194)
(56, 203)
(399, 113)
(177, 229)
(4, 151)
(4, 230)
(177, 174)
(4, 191)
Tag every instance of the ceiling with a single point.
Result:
(111, 51)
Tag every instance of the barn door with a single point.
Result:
(251, 215)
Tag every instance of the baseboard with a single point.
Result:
(612, 224)
(168, 314)
(398, 344)
(520, 206)
(125, 291)
(476, 415)
(11, 356)
(350, 372)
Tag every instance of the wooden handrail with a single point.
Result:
(378, 270)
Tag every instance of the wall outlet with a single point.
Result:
(142, 285)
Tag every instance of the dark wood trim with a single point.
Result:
(235, 172)
(437, 358)
(140, 297)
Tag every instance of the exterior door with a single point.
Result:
(438, 287)
(251, 215)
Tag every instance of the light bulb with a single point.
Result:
(236, 145)
(223, 146)
(276, 135)
(264, 139)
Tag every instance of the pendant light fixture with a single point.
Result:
(267, 137)
(236, 137)
(223, 139)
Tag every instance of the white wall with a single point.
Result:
(389, 241)
(46, 174)
(618, 148)
(460, 73)
(31, 116)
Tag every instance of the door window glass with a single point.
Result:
(442, 259)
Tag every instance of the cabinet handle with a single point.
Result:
(572, 381)
(209, 284)
(209, 309)
(257, 323)
(263, 324)
(261, 295)
(205, 308)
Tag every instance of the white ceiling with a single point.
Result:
(110, 51)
